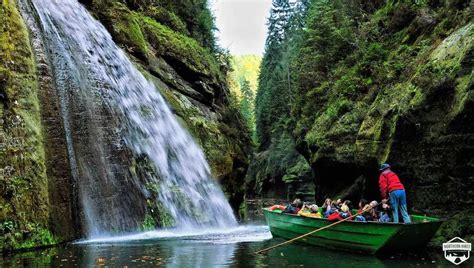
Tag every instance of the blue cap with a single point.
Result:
(384, 166)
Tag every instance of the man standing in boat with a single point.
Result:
(392, 188)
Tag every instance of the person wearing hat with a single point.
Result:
(392, 188)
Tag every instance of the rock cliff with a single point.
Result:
(173, 49)
(387, 81)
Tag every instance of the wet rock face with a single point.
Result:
(38, 197)
(3, 93)
(35, 196)
(190, 78)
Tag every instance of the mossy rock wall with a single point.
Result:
(28, 205)
(402, 95)
(37, 196)
(280, 172)
(375, 81)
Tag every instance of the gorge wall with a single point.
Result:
(374, 82)
(172, 44)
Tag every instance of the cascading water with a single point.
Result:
(112, 115)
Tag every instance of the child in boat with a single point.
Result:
(369, 212)
(311, 211)
(343, 213)
(340, 212)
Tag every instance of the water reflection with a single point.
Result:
(201, 255)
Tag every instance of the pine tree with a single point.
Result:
(275, 94)
(247, 103)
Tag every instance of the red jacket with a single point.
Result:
(388, 182)
(335, 217)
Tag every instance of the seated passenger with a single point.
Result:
(294, 207)
(311, 211)
(341, 214)
(385, 212)
(327, 205)
(345, 210)
(370, 213)
(362, 204)
(332, 209)
(304, 208)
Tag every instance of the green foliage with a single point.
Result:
(246, 67)
(280, 163)
(167, 42)
(128, 30)
(247, 104)
(142, 35)
(455, 226)
(28, 235)
(357, 67)
(190, 17)
(243, 80)
(166, 18)
(277, 161)
(198, 19)
(378, 81)
(149, 223)
(277, 77)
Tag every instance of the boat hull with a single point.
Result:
(367, 237)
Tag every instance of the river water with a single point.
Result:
(234, 247)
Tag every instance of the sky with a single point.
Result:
(241, 25)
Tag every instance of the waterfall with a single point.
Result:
(112, 116)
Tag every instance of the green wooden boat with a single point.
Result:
(367, 237)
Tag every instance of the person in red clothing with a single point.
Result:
(392, 188)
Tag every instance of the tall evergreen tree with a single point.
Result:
(285, 26)
(247, 103)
